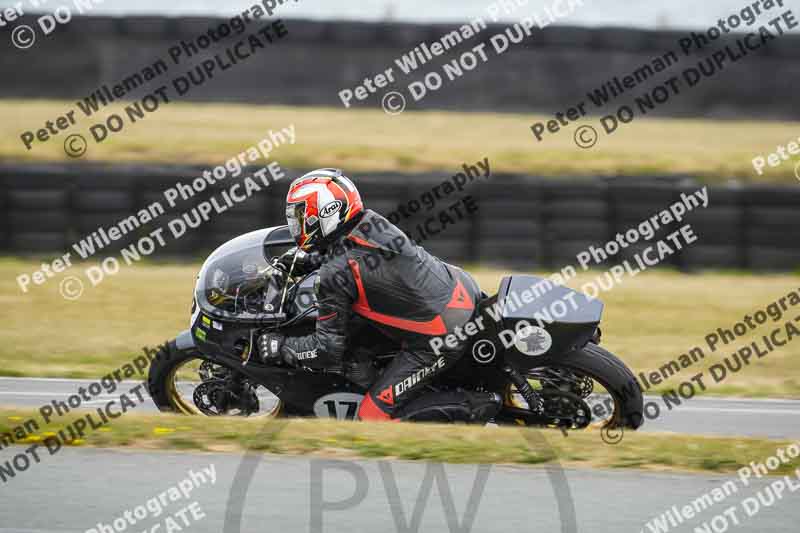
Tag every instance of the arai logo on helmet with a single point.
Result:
(533, 340)
(331, 209)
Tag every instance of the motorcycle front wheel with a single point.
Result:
(184, 381)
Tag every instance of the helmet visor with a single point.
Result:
(295, 214)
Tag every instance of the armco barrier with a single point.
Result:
(523, 222)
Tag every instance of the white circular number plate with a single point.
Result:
(339, 405)
(533, 340)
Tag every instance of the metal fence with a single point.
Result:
(520, 221)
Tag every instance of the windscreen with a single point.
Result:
(237, 282)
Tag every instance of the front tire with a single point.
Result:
(161, 379)
(198, 390)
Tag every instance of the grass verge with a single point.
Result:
(364, 140)
(423, 442)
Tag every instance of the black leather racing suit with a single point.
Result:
(374, 270)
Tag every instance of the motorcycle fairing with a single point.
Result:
(569, 317)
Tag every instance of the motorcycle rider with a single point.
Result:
(369, 270)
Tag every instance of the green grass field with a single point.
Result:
(649, 319)
(363, 140)
(418, 442)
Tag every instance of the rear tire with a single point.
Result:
(608, 370)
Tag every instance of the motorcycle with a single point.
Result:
(553, 374)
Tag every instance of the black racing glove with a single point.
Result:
(304, 264)
(269, 346)
(304, 351)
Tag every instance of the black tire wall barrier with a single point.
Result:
(522, 221)
(546, 73)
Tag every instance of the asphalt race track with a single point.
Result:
(777, 419)
(79, 488)
(95, 487)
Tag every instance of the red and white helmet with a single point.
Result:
(318, 204)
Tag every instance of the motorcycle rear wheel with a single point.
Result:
(603, 367)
